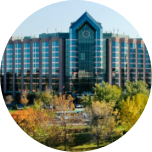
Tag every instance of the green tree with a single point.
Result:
(133, 88)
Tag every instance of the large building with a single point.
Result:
(75, 61)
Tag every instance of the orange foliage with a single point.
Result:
(30, 119)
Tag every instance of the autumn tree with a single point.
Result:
(103, 120)
(24, 99)
(132, 108)
(67, 119)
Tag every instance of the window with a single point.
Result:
(124, 44)
(132, 45)
(82, 56)
(55, 49)
(55, 43)
(45, 44)
(115, 59)
(115, 44)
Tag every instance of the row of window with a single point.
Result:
(132, 45)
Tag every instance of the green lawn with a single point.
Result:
(12, 111)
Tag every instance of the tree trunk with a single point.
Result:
(111, 138)
(97, 142)
(65, 142)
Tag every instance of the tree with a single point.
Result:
(132, 108)
(103, 120)
(67, 119)
(133, 88)
(107, 93)
(8, 99)
(24, 99)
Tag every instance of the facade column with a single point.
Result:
(40, 65)
(110, 61)
(31, 66)
(22, 66)
(5, 75)
(13, 93)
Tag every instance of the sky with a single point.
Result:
(60, 15)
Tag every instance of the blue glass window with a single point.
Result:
(17, 45)
(124, 50)
(45, 49)
(45, 44)
(9, 46)
(55, 54)
(35, 60)
(98, 59)
(55, 59)
(9, 66)
(115, 43)
(26, 55)
(98, 64)
(17, 51)
(147, 61)
(36, 55)
(124, 60)
(115, 50)
(132, 60)
(124, 44)
(115, 55)
(36, 65)
(35, 44)
(9, 51)
(115, 59)
(26, 65)
(55, 43)
(45, 65)
(140, 61)
(140, 56)
(73, 64)
(132, 50)
(55, 70)
(148, 66)
(98, 48)
(132, 65)
(18, 56)
(45, 60)
(140, 51)
(45, 55)
(140, 46)
(115, 65)
(36, 50)
(73, 48)
(26, 45)
(9, 56)
(73, 42)
(26, 50)
(140, 65)
(26, 60)
(55, 64)
(73, 54)
(132, 45)
(74, 59)
(55, 49)
(123, 65)
(124, 55)
(98, 54)
(132, 55)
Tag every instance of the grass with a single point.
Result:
(12, 111)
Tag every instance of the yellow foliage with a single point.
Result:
(132, 109)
